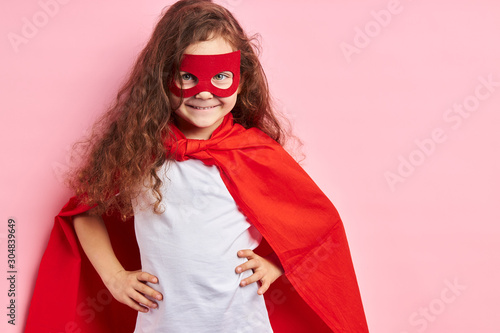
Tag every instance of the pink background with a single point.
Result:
(425, 247)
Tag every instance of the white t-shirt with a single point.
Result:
(191, 247)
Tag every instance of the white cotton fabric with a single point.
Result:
(191, 248)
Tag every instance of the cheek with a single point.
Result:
(175, 102)
(231, 100)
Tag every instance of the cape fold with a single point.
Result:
(318, 292)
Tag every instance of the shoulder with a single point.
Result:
(255, 135)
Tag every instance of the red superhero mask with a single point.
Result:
(205, 68)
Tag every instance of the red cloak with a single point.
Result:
(318, 292)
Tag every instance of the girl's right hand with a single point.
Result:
(130, 288)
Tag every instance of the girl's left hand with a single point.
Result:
(266, 270)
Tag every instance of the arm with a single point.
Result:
(125, 286)
(94, 238)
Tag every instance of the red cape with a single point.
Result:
(318, 292)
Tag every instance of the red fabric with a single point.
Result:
(205, 67)
(318, 292)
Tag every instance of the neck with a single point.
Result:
(192, 132)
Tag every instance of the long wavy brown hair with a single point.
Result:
(126, 145)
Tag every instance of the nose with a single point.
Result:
(204, 95)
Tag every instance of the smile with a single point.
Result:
(203, 108)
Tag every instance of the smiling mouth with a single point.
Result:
(203, 108)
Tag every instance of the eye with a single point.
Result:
(222, 76)
(187, 77)
(223, 80)
(187, 81)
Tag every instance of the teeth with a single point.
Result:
(198, 108)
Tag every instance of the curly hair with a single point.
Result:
(126, 145)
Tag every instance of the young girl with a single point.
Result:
(233, 235)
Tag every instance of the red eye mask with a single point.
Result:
(205, 67)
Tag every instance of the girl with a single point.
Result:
(219, 213)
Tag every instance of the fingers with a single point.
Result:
(257, 276)
(253, 261)
(263, 288)
(130, 288)
(142, 303)
(246, 253)
(264, 270)
(148, 291)
(144, 276)
(145, 289)
(136, 301)
(251, 264)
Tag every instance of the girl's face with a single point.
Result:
(199, 115)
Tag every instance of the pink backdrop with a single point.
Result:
(396, 102)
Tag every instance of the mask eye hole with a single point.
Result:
(223, 80)
(188, 80)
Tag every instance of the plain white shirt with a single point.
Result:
(191, 247)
